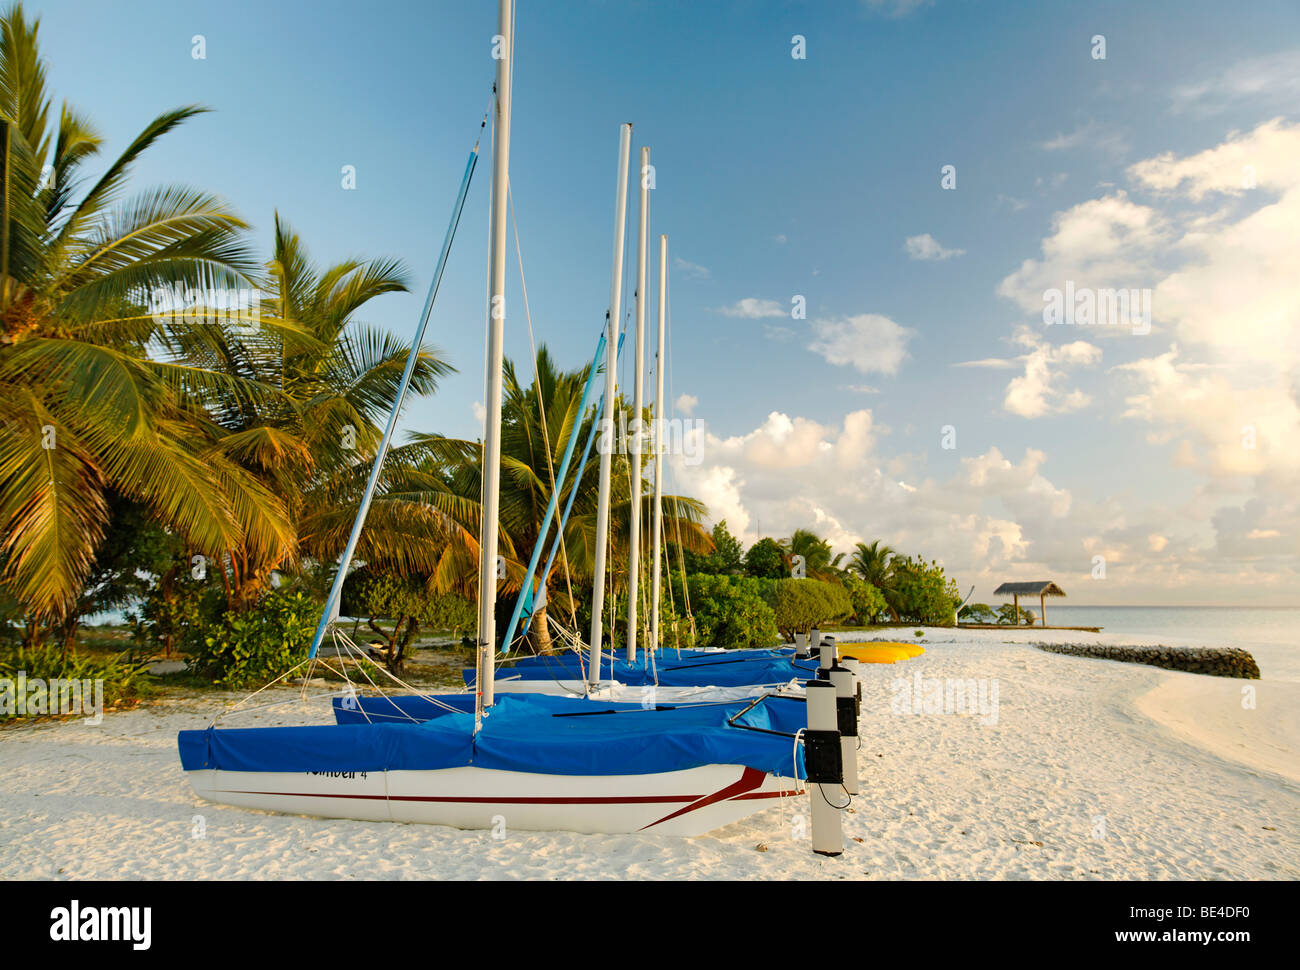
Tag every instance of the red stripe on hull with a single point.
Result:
(592, 800)
(750, 779)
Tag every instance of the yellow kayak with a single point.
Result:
(876, 653)
(913, 649)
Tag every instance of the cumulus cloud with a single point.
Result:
(1106, 243)
(1213, 234)
(869, 342)
(753, 308)
(1043, 387)
(686, 404)
(925, 246)
(792, 472)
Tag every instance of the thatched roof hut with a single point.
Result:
(1041, 588)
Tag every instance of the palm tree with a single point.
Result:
(873, 563)
(84, 409)
(819, 563)
(538, 419)
(314, 446)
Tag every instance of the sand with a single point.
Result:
(1093, 770)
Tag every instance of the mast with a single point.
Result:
(496, 318)
(607, 421)
(634, 460)
(656, 530)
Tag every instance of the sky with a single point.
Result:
(926, 179)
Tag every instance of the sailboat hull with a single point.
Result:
(688, 802)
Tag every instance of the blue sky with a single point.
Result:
(779, 177)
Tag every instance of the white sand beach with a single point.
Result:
(1093, 770)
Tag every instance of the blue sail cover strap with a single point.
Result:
(538, 734)
(336, 589)
(526, 590)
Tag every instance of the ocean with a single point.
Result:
(1270, 633)
(1260, 624)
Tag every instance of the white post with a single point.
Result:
(607, 420)
(821, 752)
(656, 530)
(846, 707)
(800, 645)
(634, 460)
(487, 566)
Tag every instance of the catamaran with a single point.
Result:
(520, 761)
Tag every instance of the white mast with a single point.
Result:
(607, 421)
(487, 565)
(657, 528)
(634, 543)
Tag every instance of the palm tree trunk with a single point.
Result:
(70, 626)
(539, 633)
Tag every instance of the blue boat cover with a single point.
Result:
(666, 656)
(533, 733)
(714, 670)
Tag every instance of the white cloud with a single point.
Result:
(1091, 136)
(753, 308)
(868, 341)
(780, 237)
(1106, 243)
(991, 363)
(1042, 388)
(1269, 79)
(686, 403)
(1220, 395)
(773, 332)
(1265, 157)
(692, 270)
(925, 246)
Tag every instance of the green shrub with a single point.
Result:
(977, 613)
(765, 560)
(868, 601)
(252, 648)
(798, 605)
(729, 611)
(1006, 615)
(124, 676)
(923, 594)
(178, 612)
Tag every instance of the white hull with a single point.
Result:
(682, 803)
(647, 695)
